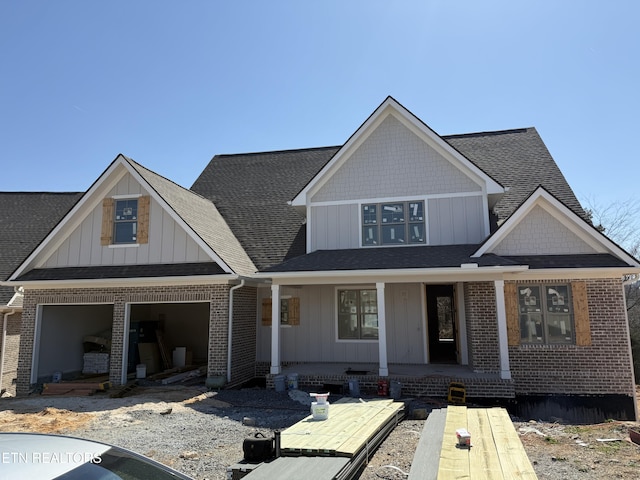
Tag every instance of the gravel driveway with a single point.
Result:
(200, 433)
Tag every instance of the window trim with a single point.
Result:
(359, 341)
(379, 224)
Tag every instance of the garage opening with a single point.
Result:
(73, 340)
(166, 335)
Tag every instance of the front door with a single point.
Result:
(441, 324)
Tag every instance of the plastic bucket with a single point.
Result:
(320, 411)
(354, 387)
(141, 371)
(279, 382)
(395, 391)
(56, 377)
(292, 381)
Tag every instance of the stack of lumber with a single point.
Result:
(74, 388)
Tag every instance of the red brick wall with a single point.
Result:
(482, 328)
(604, 367)
(216, 295)
(12, 348)
(243, 349)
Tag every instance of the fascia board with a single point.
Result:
(128, 282)
(179, 220)
(390, 275)
(572, 273)
(74, 217)
(558, 210)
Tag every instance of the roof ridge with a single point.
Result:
(276, 151)
(490, 132)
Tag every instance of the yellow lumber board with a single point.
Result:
(454, 461)
(483, 457)
(513, 458)
(348, 428)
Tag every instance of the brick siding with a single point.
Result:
(12, 350)
(216, 295)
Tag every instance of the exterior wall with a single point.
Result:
(315, 339)
(455, 221)
(168, 242)
(12, 349)
(392, 162)
(482, 328)
(539, 233)
(217, 295)
(243, 348)
(604, 367)
(335, 227)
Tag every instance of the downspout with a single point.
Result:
(4, 344)
(230, 328)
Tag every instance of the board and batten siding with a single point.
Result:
(314, 340)
(168, 241)
(335, 227)
(394, 162)
(455, 220)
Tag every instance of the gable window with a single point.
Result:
(546, 314)
(394, 223)
(125, 221)
(358, 314)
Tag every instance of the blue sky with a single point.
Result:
(171, 84)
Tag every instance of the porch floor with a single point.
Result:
(395, 370)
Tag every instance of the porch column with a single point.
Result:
(275, 330)
(503, 343)
(383, 369)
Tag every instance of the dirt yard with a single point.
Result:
(200, 433)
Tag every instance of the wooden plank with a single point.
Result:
(513, 458)
(454, 461)
(483, 457)
(295, 468)
(426, 459)
(350, 425)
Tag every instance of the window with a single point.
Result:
(357, 314)
(546, 314)
(397, 223)
(125, 221)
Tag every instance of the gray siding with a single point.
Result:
(392, 162)
(335, 227)
(455, 221)
(168, 241)
(539, 233)
(314, 340)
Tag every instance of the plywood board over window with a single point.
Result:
(581, 313)
(290, 305)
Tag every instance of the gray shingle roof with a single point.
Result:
(203, 217)
(441, 256)
(123, 271)
(25, 219)
(251, 191)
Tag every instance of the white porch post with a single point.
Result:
(275, 330)
(383, 370)
(503, 343)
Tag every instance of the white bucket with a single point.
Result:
(320, 411)
(141, 371)
(279, 383)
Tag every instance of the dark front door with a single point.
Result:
(441, 323)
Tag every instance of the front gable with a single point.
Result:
(394, 161)
(544, 226)
(155, 233)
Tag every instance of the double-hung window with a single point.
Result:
(357, 314)
(125, 221)
(546, 314)
(393, 223)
